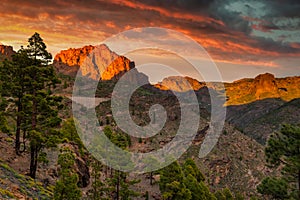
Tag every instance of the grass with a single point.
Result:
(6, 193)
(25, 184)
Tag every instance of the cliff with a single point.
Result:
(6, 52)
(96, 62)
(179, 84)
(263, 86)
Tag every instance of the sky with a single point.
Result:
(244, 38)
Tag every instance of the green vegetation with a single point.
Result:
(28, 80)
(66, 187)
(283, 150)
(98, 190)
(183, 183)
(12, 182)
(27, 83)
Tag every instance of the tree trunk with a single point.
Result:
(33, 161)
(24, 141)
(118, 184)
(299, 184)
(34, 111)
(18, 130)
(151, 177)
(33, 147)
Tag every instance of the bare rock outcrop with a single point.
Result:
(6, 52)
(264, 86)
(96, 62)
(179, 84)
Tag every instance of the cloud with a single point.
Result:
(231, 31)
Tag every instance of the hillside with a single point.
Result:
(13, 183)
(255, 108)
(260, 118)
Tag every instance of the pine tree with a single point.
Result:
(219, 195)
(28, 80)
(3, 101)
(194, 181)
(274, 187)
(118, 182)
(13, 78)
(227, 193)
(40, 78)
(98, 190)
(283, 149)
(69, 133)
(66, 187)
(176, 191)
(190, 167)
(169, 174)
(151, 163)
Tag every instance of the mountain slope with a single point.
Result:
(96, 62)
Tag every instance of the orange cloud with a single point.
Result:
(65, 24)
(167, 13)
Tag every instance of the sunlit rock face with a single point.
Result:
(179, 84)
(264, 85)
(73, 57)
(69, 61)
(98, 63)
(6, 52)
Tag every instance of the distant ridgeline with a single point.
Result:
(239, 92)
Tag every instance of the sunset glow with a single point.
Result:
(251, 38)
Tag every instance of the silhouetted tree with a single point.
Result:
(40, 79)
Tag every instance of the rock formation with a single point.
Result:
(68, 61)
(96, 62)
(100, 63)
(261, 87)
(179, 84)
(6, 52)
(264, 86)
(73, 57)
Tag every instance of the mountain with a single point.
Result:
(6, 52)
(236, 162)
(259, 106)
(179, 84)
(262, 87)
(261, 118)
(96, 62)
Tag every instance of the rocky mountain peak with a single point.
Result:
(179, 84)
(96, 62)
(73, 57)
(6, 51)
(264, 85)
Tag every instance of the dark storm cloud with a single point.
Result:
(265, 16)
(189, 5)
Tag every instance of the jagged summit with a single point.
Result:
(179, 84)
(6, 51)
(100, 63)
(263, 86)
(96, 62)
